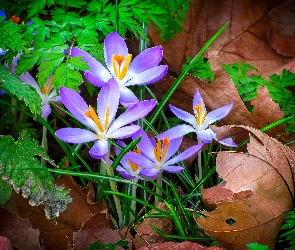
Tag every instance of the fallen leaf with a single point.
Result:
(98, 227)
(259, 188)
(266, 111)
(58, 234)
(19, 231)
(178, 246)
(249, 37)
(145, 233)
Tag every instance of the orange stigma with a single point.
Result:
(117, 61)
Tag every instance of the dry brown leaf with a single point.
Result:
(19, 231)
(259, 188)
(249, 38)
(98, 227)
(59, 234)
(266, 111)
(146, 235)
(178, 246)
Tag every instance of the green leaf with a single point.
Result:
(257, 246)
(22, 91)
(67, 75)
(20, 167)
(5, 191)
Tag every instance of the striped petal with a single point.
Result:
(75, 135)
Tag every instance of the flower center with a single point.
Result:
(199, 114)
(134, 166)
(15, 19)
(121, 68)
(47, 87)
(161, 149)
(93, 116)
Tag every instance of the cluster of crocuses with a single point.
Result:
(152, 154)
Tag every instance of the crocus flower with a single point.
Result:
(157, 155)
(127, 168)
(102, 123)
(120, 66)
(199, 122)
(47, 93)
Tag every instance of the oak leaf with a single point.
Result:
(252, 37)
(257, 192)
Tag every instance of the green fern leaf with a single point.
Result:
(20, 168)
(5, 191)
(67, 75)
(11, 83)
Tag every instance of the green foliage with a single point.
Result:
(5, 191)
(25, 173)
(278, 87)
(175, 13)
(11, 35)
(200, 69)
(257, 246)
(98, 246)
(247, 85)
(288, 230)
(11, 83)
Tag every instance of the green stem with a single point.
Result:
(133, 202)
(159, 187)
(114, 188)
(200, 170)
(44, 142)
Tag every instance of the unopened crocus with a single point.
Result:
(102, 123)
(158, 155)
(199, 122)
(142, 70)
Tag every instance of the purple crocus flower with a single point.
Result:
(102, 123)
(157, 155)
(47, 93)
(140, 71)
(199, 122)
(127, 168)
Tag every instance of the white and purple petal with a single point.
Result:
(183, 115)
(114, 44)
(127, 97)
(197, 100)
(173, 169)
(147, 77)
(96, 68)
(97, 82)
(141, 160)
(125, 173)
(177, 131)
(75, 135)
(217, 114)
(124, 132)
(77, 106)
(134, 113)
(173, 147)
(206, 135)
(150, 172)
(99, 149)
(147, 59)
(185, 154)
(46, 109)
(228, 142)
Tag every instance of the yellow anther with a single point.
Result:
(117, 61)
(93, 116)
(160, 150)
(199, 114)
(47, 86)
(133, 166)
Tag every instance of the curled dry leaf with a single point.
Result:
(259, 191)
(248, 38)
(146, 234)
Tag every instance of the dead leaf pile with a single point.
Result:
(257, 192)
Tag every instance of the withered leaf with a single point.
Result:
(178, 246)
(260, 191)
(59, 234)
(248, 38)
(266, 111)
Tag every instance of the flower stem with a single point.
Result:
(44, 142)
(159, 187)
(114, 188)
(200, 170)
(133, 202)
